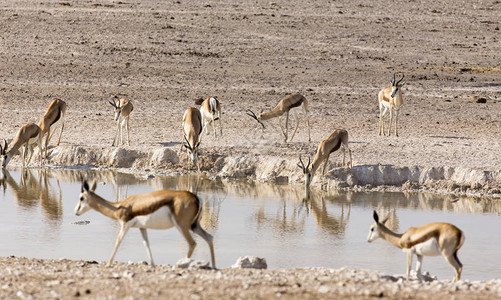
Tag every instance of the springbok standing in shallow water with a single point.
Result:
(284, 106)
(28, 135)
(156, 210)
(52, 117)
(210, 109)
(428, 240)
(123, 108)
(390, 98)
(192, 133)
(337, 139)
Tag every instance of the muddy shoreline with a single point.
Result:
(262, 168)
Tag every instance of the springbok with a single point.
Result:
(28, 135)
(390, 98)
(52, 117)
(192, 129)
(123, 108)
(156, 210)
(428, 240)
(210, 109)
(284, 106)
(337, 139)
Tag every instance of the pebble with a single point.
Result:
(98, 281)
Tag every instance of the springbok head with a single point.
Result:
(83, 204)
(306, 170)
(374, 232)
(116, 106)
(192, 150)
(396, 85)
(251, 114)
(3, 153)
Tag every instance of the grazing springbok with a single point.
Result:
(156, 210)
(284, 106)
(337, 139)
(390, 98)
(210, 109)
(428, 240)
(192, 129)
(123, 108)
(52, 117)
(28, 135)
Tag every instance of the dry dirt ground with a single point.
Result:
(162, 55)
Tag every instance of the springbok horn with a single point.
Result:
(189, 146)
(251, 114)
(400, 79)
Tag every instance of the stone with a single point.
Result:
(250, 262)
(189, 263)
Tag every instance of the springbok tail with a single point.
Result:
(212, 105)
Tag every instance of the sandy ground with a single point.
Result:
(162, 55)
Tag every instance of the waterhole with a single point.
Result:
(268, 220)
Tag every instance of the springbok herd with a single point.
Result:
(167, 208)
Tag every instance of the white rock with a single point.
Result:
(250, 262)
(186, 263)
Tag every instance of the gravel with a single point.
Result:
(27, 278)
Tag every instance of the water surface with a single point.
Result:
(268, 220)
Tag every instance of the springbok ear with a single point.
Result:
(376, 217)
(93, 187)
(85, 186)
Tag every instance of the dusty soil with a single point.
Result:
(32, 278)
(162, 55)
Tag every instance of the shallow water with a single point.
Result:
(267, 220)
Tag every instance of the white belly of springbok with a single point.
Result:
(160, 219)
(428, 248)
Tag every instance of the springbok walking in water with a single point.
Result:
(123, 108)
(283, 107)
(337, 139)
(210, 109)
(156, 210)
(390, 98)
(52, 117)
(28, 135)
(428, 240)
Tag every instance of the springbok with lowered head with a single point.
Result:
(28, 135)
(156, 210)
(283, 107)
(337, 139)
(192, 133)
(210, 109)
(428, 240)
(52, 118)
(390, 98)
(123, 108)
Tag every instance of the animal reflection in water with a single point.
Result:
(33, 190)
(294, 221)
